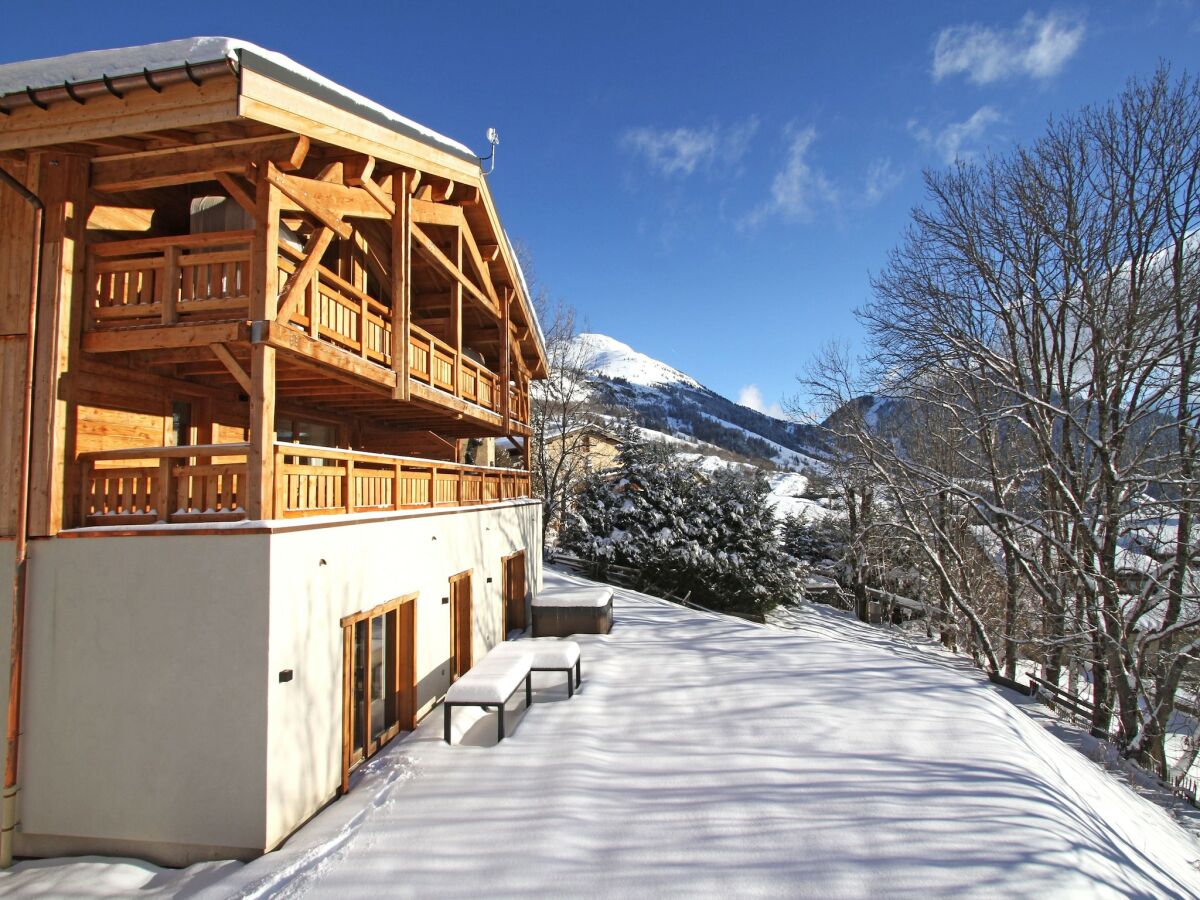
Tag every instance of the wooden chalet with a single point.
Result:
(257, 299)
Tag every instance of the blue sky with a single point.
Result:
(713, 183)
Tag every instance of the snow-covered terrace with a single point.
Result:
(707, 756)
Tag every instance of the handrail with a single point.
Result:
(173, 452)
(367, 456)
(157, 244)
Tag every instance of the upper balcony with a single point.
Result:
(166, 297)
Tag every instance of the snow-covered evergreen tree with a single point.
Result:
(712, 534)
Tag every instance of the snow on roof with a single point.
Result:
(93, 65)
(706, 756)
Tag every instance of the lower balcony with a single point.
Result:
(142, 486)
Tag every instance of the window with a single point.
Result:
(378, 679)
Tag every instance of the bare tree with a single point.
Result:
(1041, 322)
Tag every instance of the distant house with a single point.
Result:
(269, 315)
(596, 447)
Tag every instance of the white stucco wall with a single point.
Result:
(154, 720)
(320, 575)
(143, 701)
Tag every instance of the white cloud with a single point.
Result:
(882, 179)
(797, 189)
(958, 139)
(1038, 47)
(751, 398)
(800, 190)
(683, 151)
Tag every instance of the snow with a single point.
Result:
(574, 596)
(492, 679)
(612, 359)
(83, 877)
(707, 756)
(94, 64)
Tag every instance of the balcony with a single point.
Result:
(162, 294)
(206, 484)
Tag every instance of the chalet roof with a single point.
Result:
(30, 76)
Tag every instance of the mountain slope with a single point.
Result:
(660, 397)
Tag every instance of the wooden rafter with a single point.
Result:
(313, 197)
(293, 293)
(221, 352)
(434, 253)
(182, 165)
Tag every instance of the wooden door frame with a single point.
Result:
(504, 565)
(456, 624)
(403, 685)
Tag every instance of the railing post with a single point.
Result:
(281, 481)
(314, 305)
(398, 481)
(168, 289)
(362, 326)
(348, 490)
(433, 485)
(162, 490)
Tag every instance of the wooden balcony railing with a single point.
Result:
(318, 481)
(168, 280)
(431, 361)
(337, 312)
(190, 278)
(164, 484)
(145, 485)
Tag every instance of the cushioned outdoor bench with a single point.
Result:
(548, 655)
(491, 682)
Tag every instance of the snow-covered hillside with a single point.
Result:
(664, 399)
(612, 359)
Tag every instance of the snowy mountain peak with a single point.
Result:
(612, 359)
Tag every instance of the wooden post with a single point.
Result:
(397, 483)
(264, 301)
(433, 486)
(169, 288)
(61, 180)
(456, 315)
(314, 305)
(162, 490)
(505, 354)
(401, 281)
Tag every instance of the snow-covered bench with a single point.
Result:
(548, 655)
(491, 682)
(572, 609)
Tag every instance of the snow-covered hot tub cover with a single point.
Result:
(93, 65)
(574, 597)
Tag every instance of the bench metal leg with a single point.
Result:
(446, 709)
(570, 683)
(578, 672)
(528, 689)
(500, 723)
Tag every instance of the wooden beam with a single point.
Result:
(296, 158)
(240, 195)
(356, 169)
(264, 299)
(312, 197)
(505, 354)
(163, 337)
(314, 249)
(434, 253)
(182, 165)
(456, 316)
(401, 281)
(221, 352)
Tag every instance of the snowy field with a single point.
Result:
(707, 756)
